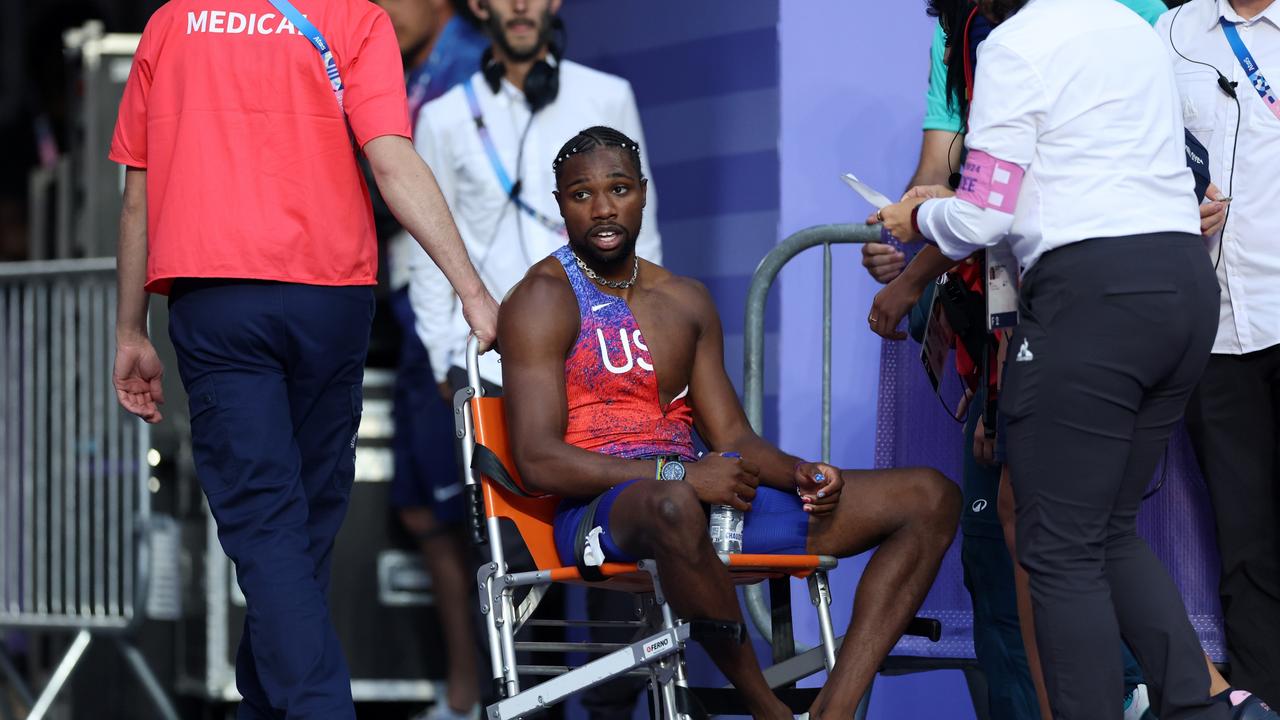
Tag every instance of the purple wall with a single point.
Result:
(853, 78)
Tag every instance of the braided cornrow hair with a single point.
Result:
(593, 138)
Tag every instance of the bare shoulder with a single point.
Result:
(542, 302)
(686, 291)
(683, 296)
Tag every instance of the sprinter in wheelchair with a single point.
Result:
(609, 364)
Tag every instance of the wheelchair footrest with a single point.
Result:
(702, 629)
(639, 654)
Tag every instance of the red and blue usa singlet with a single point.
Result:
(614, 403)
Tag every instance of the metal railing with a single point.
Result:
(753, 379)
(74, 499)
(758, 295)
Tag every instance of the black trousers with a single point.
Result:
(1114, 335)
(1234, 417)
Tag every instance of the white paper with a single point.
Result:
(868, 193)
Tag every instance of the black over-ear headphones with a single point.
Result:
(542, 84)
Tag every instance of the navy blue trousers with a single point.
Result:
(273, 373)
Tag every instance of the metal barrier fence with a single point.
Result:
(74, 501)
(753, 374)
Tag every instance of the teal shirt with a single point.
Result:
(941, 115)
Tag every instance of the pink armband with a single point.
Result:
(990, 183)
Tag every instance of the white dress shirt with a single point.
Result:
(1248, 250)
(502, 239)
(1076, 94)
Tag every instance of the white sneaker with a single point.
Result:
(1137, 704)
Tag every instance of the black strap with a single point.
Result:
(487, 463)
(687, 704)
(702, 629)
(590, 573)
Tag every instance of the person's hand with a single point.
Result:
(446, 391)
(1213, 212)
(481, 313)
(890, 305)
(984, 448)
(928, 192)
(897, 219)
(883, 262)
(818, 485)
(137, 378)
(721, 480)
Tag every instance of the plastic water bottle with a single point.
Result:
(726, 525)
(726, 529)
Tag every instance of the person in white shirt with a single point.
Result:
(1234, 415)
(1080, 168)
(528, 100)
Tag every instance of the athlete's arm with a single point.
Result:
(723, 424)
(537, 325)
(717, 413)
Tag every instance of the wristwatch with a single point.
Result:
(671, 470)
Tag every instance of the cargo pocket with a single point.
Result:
(217, 467)
(345, 475)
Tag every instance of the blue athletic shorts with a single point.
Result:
(776, 525)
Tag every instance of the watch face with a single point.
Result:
(673, 470)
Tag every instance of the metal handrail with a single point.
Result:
(48, 268)
(753, 355)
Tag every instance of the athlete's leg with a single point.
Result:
(664, 521)
(912, 516)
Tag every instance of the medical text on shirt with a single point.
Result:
(234, 23)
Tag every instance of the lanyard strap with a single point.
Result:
(313, 35)
(504, 179)
(421, 79)
(1250, 66)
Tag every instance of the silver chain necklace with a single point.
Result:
(615, 284)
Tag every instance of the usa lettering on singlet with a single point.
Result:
(611, 387)
(224, 22)
(628, 361)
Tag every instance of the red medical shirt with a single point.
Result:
(250, 169)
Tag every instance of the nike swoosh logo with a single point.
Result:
(594, 308)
